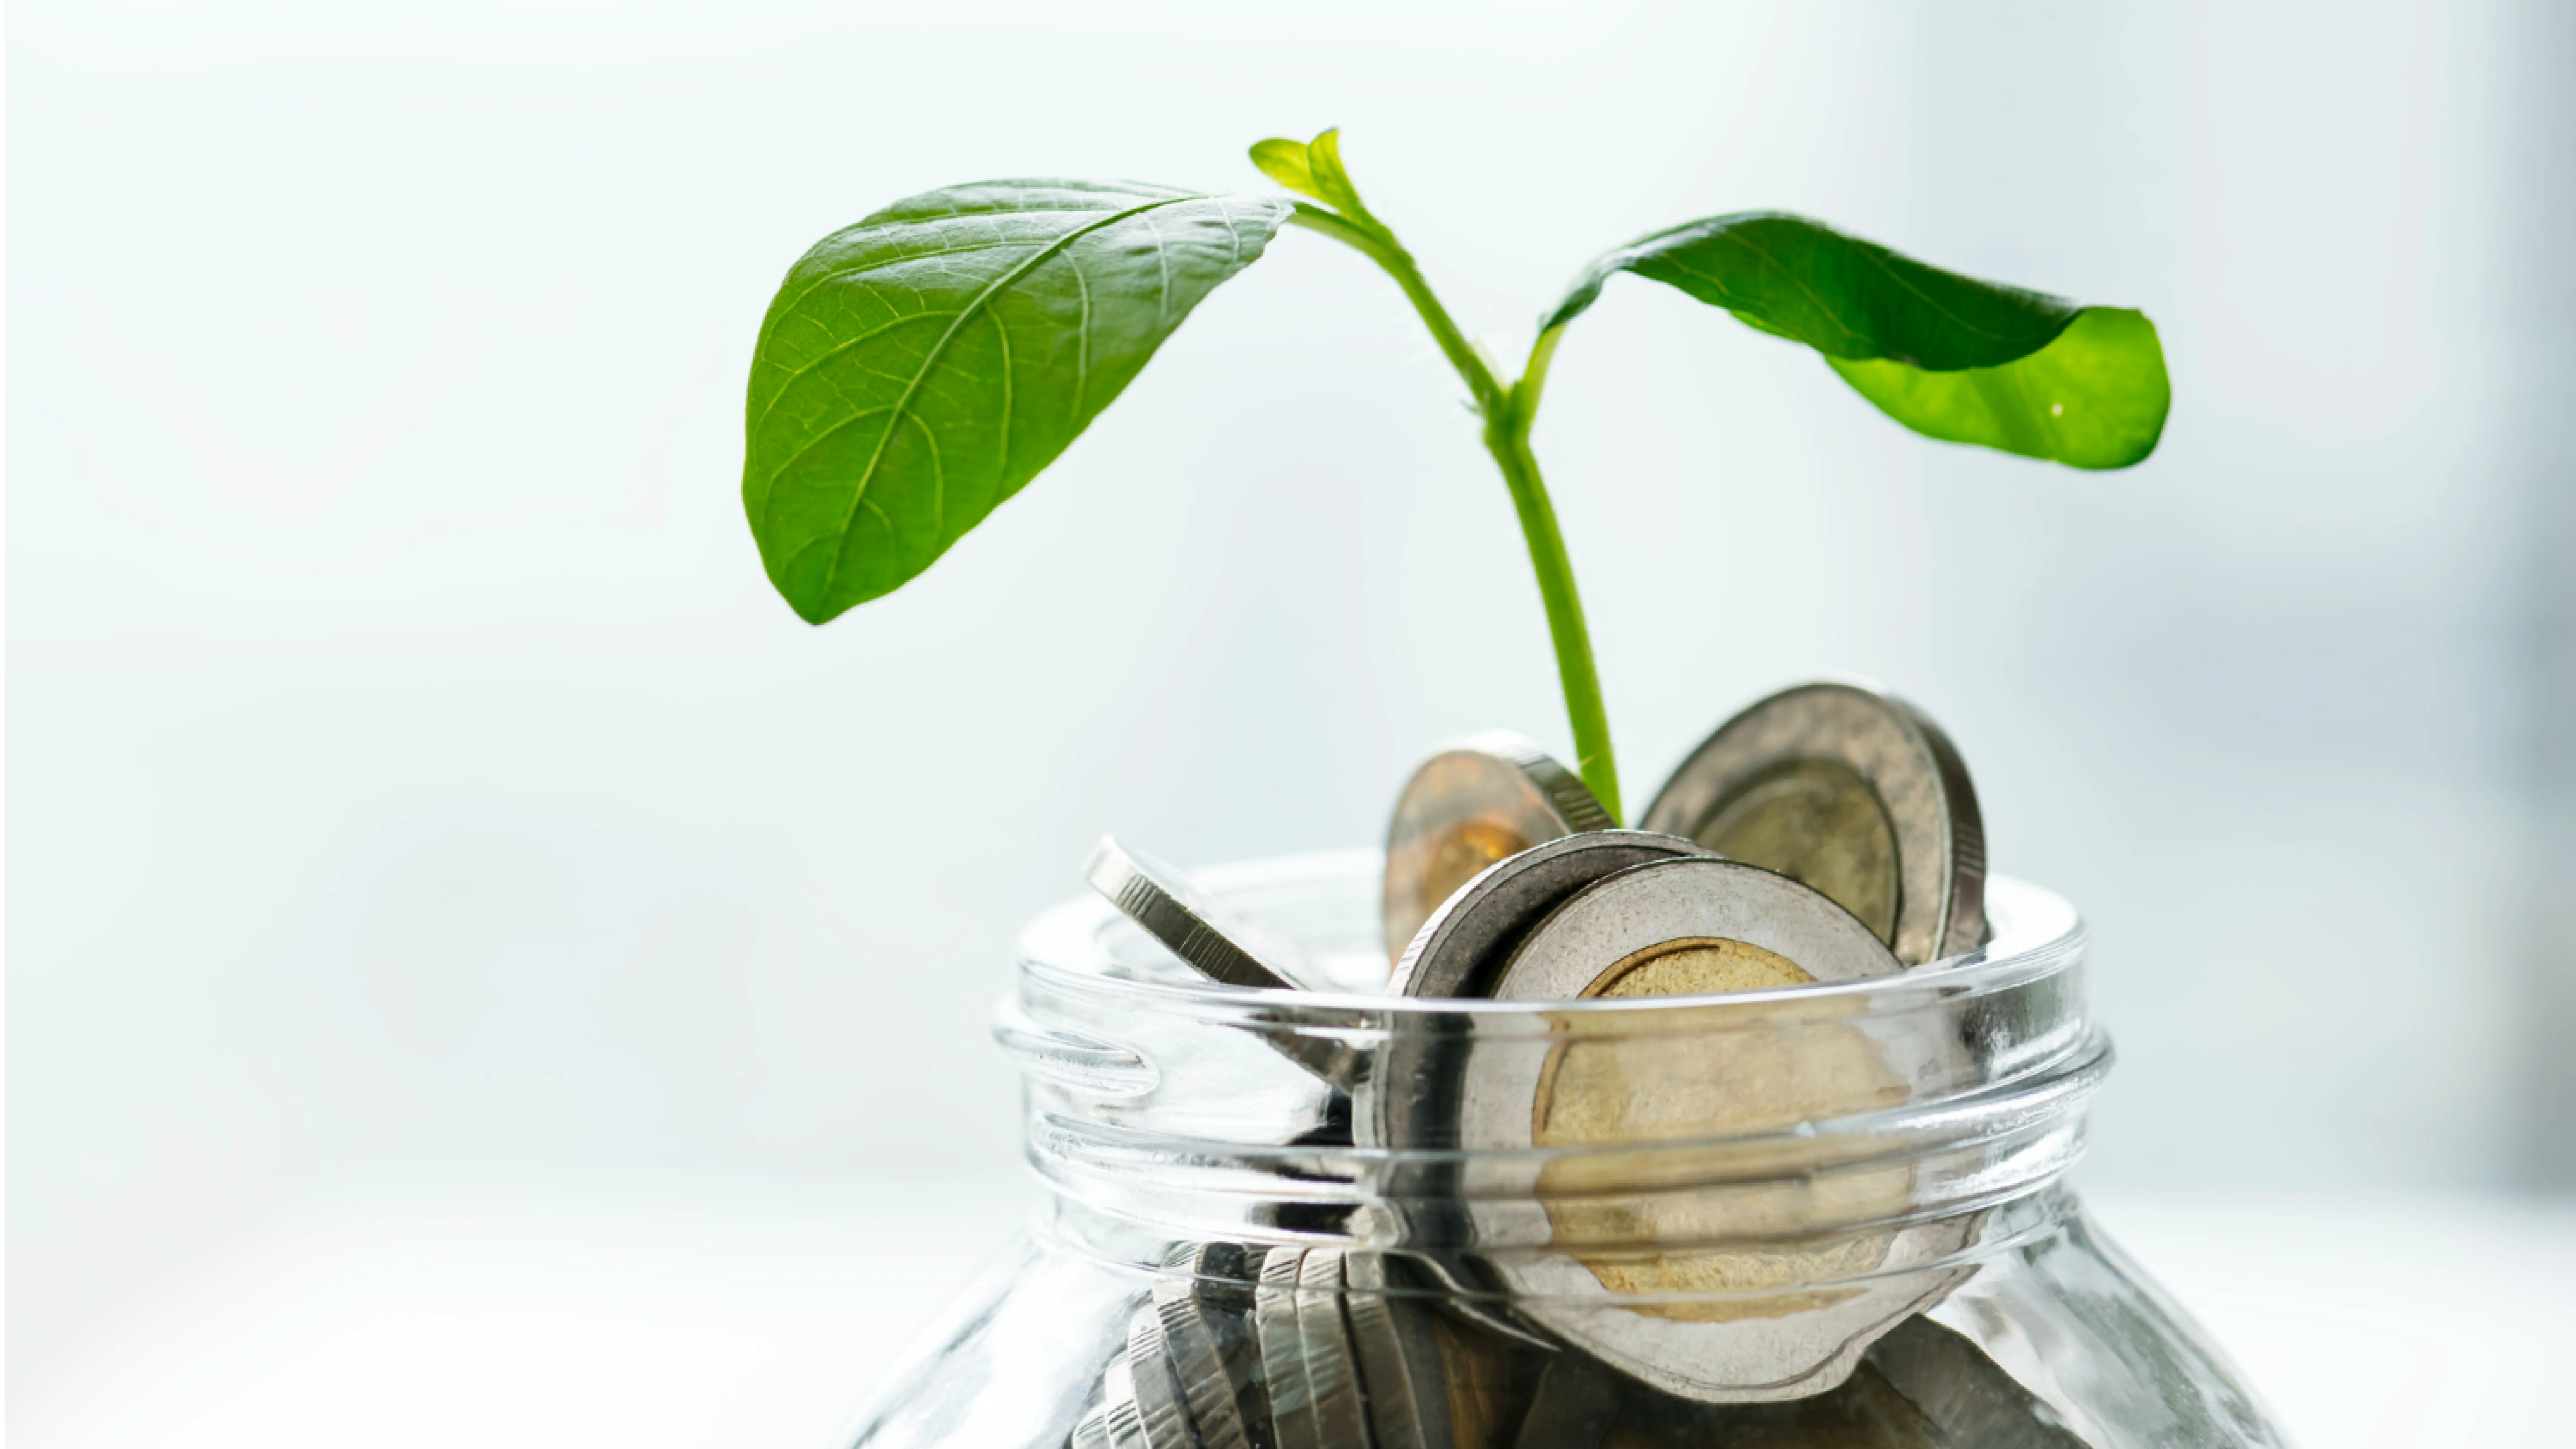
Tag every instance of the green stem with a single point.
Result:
(1508, 411)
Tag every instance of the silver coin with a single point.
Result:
(1965, 1395)
(1290, 1394)
(1853, 792)
(1398, 1346)
(1690, 926)
(1341, 1415)
(1462, 943)
(1196, 927)
(1190, 922)
(1674, 920)
(1091, 1431)
(1120, 1414)
(1204, 1339)
(1159, 1405)
(1486, 797)
(1410, 1099)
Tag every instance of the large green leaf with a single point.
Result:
(2094, 398)
(1947, 355)
(920, 367)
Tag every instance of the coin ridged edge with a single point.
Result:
(1285, 1386)
(1159, 1404)
(1160, 899)
(1557, 782)
(1341, 1414)
(1400, 1371)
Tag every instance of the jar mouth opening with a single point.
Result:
(1485, 1128)
(1086, 948)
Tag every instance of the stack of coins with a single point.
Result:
(1325, 1348)
(1826, 834)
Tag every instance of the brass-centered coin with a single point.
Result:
(1853, 792)
(1484, 798)
(1459, 951)
(1410, 1099)
(1466, 938)
(1710, 1326)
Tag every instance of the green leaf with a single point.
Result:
(1313, 168)
(1950, 356)
(1284, 161)
(2094, 398)
(1332, 183)
(920, 367)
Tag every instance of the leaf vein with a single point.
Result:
(1061, 246)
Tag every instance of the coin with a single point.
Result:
(1462, 941)
(1195, 926)
(1398, 1347)
(1121, 1416)
(1291, 1395)
(1968, 1398)
(1410, 1100)
(1189, 921)
(1159, 1404)
(1204, 1340)
(1710, 1330)
(1457, 952)
(1853, 792)
(1488, 1379)
(1486, 797)
(1341, 1417)
(1091, 1431)
(1689, 926)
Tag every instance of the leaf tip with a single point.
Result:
(1285, 162)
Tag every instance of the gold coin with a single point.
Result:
(1481, 800)
(1615, 1091)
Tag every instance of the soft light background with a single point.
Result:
(418, 788)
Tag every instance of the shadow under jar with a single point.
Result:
(1809, 1216)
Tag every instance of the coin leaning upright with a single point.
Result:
(1749, 1326)
(1477, 801)
(1853, 792)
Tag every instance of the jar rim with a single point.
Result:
(1072, 948)
(1229, 1112)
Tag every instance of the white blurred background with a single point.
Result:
(420, 793)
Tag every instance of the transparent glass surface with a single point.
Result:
(1811, 1216)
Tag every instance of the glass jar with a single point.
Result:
(1809, 1216)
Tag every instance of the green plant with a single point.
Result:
(918, 368)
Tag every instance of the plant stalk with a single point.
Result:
(1508, 411)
